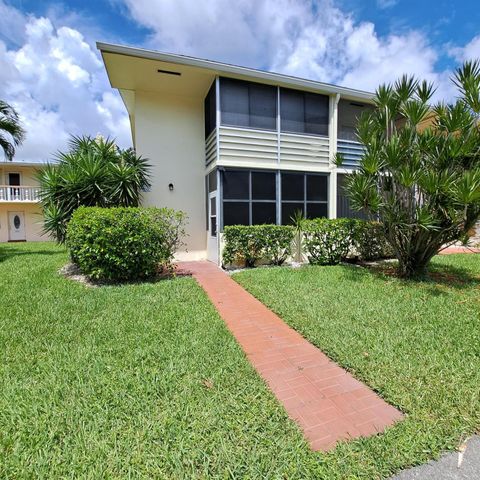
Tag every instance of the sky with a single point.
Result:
(52, 73)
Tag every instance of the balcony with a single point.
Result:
(351, 151)
(10, 193)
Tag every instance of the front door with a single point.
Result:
(212, 234)
(16, 226)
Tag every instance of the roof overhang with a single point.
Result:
(135, 69)
(19, 163)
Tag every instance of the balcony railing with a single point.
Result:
(10, 193)
(351, 151)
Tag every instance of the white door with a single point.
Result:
(212, 234)
(16, 226)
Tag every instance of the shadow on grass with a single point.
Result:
(73, 272)
(438, 278)
(7, 252)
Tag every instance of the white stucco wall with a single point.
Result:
(170, 133)
(33, 221)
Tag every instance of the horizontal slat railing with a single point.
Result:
(351, 151)
(211, 148)
(304, 148)
(10, 193)
(247, 146)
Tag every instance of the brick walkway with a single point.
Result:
(326, 401)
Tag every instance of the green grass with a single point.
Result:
(416, 343)
(133, 381)
(145, 381)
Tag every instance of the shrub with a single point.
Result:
(327, 241)
(369, 240)
(124, 243)
(249, 243)
(94, 172)
(423, 182)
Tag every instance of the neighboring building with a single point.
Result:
(21, 217)
(232, 145)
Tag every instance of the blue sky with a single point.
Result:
(51, 71)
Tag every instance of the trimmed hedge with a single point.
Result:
(370, 242)
(124, 243)
(330, 241)
(327, 241)
(248, 244)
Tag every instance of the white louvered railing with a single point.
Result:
(10, 193)
(301, 149)
(211, 148)
(245, 147)
(351, 152)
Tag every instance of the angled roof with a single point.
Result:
(122, 73)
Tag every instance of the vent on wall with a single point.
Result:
(169, 72)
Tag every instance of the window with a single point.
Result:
(210, 186)
(210, 110)
(303, 112)
(246, 104)
(249, 197)
(304, 192)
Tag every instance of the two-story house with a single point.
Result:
(233, 145)
(21, 217)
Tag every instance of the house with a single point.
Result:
(234, 145)
(21, 217)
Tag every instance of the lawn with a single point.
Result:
(416, 343)
(134, 381)
(145, 381)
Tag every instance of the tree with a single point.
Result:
(11, 132)
(93, 172)
(423, 183)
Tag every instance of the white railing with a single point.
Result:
(10, 193)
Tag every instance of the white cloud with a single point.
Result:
(319, 42)
(471, 51)
(56, 81)
(383, 4)
(51, 72)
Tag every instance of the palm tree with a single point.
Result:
(424, 183)
(92, 172)
(11, 132)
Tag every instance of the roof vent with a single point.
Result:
(169, 72)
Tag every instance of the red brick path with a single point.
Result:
(326, 401)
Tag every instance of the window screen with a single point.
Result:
(236, 185)
(303, 112)
(344, 208)
(264, 185)
(249, 197)
(305, 192)
(236, 213)
(210, 110)
(246, 104)
(293, 186)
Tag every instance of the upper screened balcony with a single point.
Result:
(266, 126)
(347, 143)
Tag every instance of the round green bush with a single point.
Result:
(124, 243)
